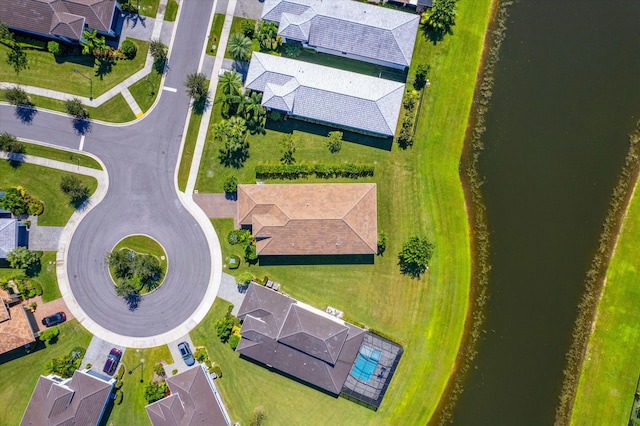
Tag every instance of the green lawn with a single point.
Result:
(419, 192)
(189, 147)
(46, 276)
(610, 369)
(172, 11)
(147, 7)
(19, 375)
(57, 74)
(214, 34)
(43, 183)
(236, 27)
(131, 411)
(146, 90)
(60, 155)
(146, 245)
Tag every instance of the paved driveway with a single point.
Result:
(251, 9)
(97, 353)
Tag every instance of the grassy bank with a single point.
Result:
(145, 91)
(419, 192)
(214, 34)
(19, 375)
(43, 183)
(188, 149)
(145, 245)
(60, 155)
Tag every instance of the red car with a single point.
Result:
(112, 361)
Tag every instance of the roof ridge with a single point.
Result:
(389, 125)
(364, 194)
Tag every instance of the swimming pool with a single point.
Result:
(365, 363)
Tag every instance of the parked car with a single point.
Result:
(187, 356)
(112, 361)
(55, 319)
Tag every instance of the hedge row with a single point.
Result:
(296, 171)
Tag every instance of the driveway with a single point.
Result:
(97, 353)
(178, 362)
(49, 308)
(217, 205)
(251, 9)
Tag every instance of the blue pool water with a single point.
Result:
(366, 363)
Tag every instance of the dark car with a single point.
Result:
(112, 361)
(185, 351)
(55, 319)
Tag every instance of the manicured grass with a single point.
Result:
(171, 11)
(43, 183)
(145, 245)
(236, 27)
(57, 74)
(131, 411)
(46, 276)
(148, 7)
(187, 151)
(19, 375)
(60, 155)
(610, 369)
(419, 193)
(214, 34)
(146, 90)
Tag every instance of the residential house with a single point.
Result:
(347, 28)
(80, 400)
(310, 219)
(326, 95)
(59, 19)
(194, 400)
(18, 327)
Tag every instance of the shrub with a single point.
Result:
(250, 254)
(244, 278)
(275, 115)
(49, 334)
(155, 391)
(73, 187)
(387, 336)
(88, 366)
(15, 96)
(75, 108)
(55, 48)
(231, 185)
(296, 171)
(335, 142)
(409, 103)
(159, 369)
(22, 258)
(174, 371)
(200, 354)
(129, 49)
(216, 369)
(224, 326)
(248, 28)
(258, 417)
(236, 262)
(120, 372)
(118, 399)
(36, 207)
(233, 341)
(118, 384)
(239, 236)
(414, 256)
(382, 242)
(292, 48)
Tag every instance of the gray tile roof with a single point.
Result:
(326, 94)
(77, 401)
(356, 28)
(8, 236)
(64, 18)
(297, 339)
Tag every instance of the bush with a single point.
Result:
(22, 258)
(155, 391)
(414, 256)
(174, 371)
(409, 103)
(55, 48)
(386, 336)
(297, 171)
(257, 418)
(231, 185)
(248, 28)
(200, 354)
(118, 399)
(292, 48)
(275, 115)
(382, 242)
(75, 108)
(233, 341)
(49, 334)
(250, 254)
(118, 384)
(236, 262)
(88, 366)
(239, 236)
(335, 142)
(15, 96)
(129, 49)
(244, 278)
(216, 369)
(36, 207)
(120, 372)
(224, 326)
(158, 369)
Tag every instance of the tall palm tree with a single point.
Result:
(230, 82)
(239, 47)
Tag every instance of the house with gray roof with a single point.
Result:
(194, 400)
(80, 400)
(326, 95)
(59, 19)
(13, 233)
(347, 28)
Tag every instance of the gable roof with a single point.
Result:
(192, 402)
(8, 236)
(63, 18)
(303, 219)
(326, 94)
(352, 27)
(297, 339)
(78, 401)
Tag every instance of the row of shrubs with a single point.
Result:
(202, 355)
(325, 171)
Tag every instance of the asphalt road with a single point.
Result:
(140, 160)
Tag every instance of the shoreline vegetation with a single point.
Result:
(592, 301)
(479, 232)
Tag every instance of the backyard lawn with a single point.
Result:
(49, 72)
(19, 375)
(131, 411)
(419, 192)
(607, 385)
(43, 183)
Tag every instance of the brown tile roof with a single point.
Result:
(65, 18)
(316, 219)
(77, 401)
(15, 330)
(192, 402)
(299, 340)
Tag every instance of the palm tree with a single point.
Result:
(239, 47)
(230, 82)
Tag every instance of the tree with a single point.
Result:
(230, 82)
(93, 44)
(22, 258)
(414, 256)
(441, 17)
(17, 58)
(55, 48)
(125, 287)
(335, 142)
(9, 143)
(158, 51)
(244, 278)
(14, 201)
(232, 132)
(382, 242)
(73, 187)
(17, 96)
(421, 77)
(268, 35)
(66, 365)
(155, 391)
(147, 268)
(75, 108)
(231, 185)
(239, 47)
(250, 253)
(288, 149)
(129, 49)
(49, 334)
(5, 34)
(224, 326)
(196, 85)
(120, 262)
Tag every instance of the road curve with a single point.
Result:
(141, 199)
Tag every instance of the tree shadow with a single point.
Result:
(105, 66)
(78, 202)
(133, 301)
(25, 113)
(200, 105)
(160, 65)
(15, 159)
(234, 159)
(34, 269)
(232, 196)
(82, 126)
(433, 35)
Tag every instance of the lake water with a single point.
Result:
(567, 94)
